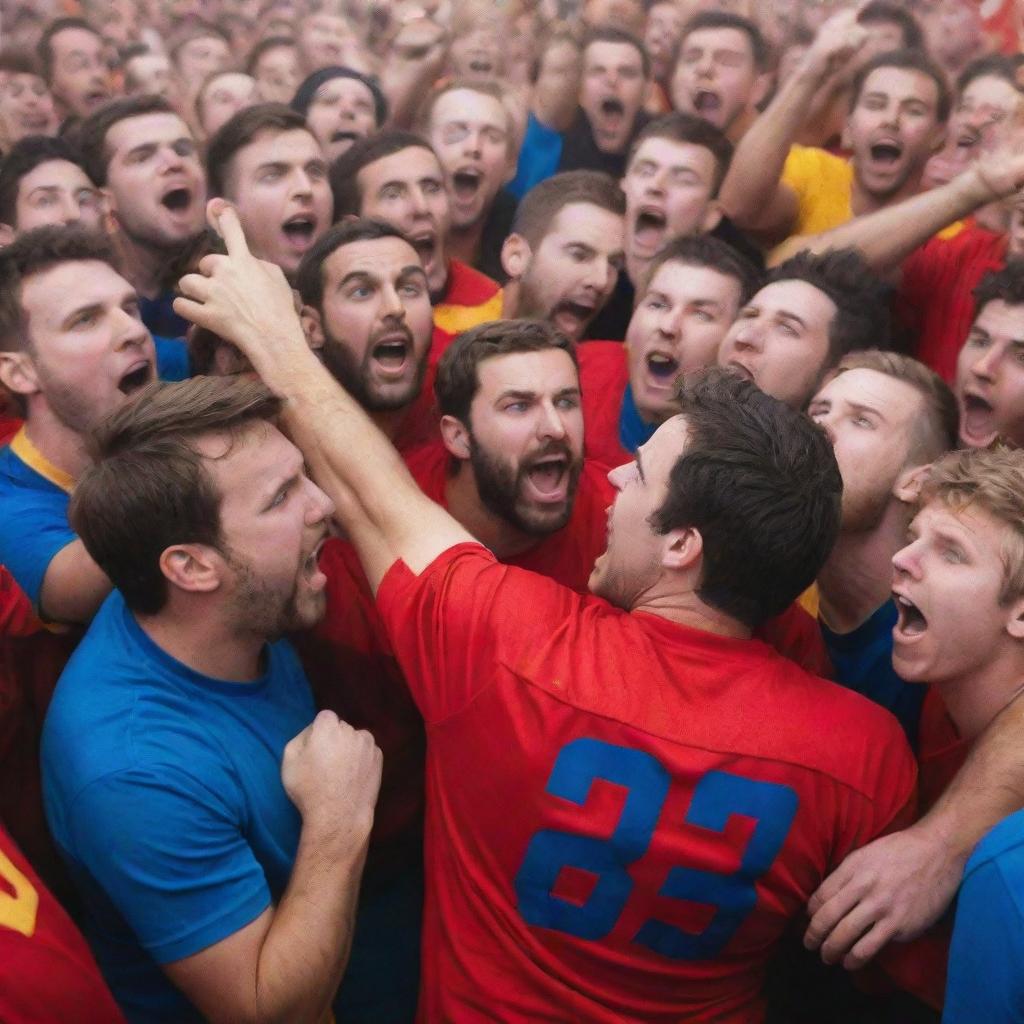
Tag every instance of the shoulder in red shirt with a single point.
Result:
(470, 298)
(625, 813)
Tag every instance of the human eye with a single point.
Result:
(184, 147)
(954, 554)
(454, 133)
(86, 318)
(568, 402)
(703, 316)
(391, 192)
(131, 307)
(864, 422)
(412, 289)
(270, 175)
(730, 60)
(578, 254)
(433, 187)
(316, 170)
(282, 495)
(977, 340)
(87, 198)
(655, 302)
(44, 199)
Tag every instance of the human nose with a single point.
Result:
(391, 303)
(985, 365)
(907, 561)
(617, 477)
(550, 425)
(319, 507)
(70, 213)
(128, 330)
(750, 336)
(302, 185)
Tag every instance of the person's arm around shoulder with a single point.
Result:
(287, 964)
(754, 196)
(901, 884)
(385, 515)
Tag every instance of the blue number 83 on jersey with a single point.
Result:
(716, 797)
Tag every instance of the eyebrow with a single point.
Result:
(640, 467)
(861, 407)
(412, 270)
(517, 393)
(786, 315)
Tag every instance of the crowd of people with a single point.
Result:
(511, 511)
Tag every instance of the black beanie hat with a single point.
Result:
(305, 93)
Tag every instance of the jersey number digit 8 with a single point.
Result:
(716, 797)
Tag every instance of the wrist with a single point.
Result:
(972, 190)
(343, 838)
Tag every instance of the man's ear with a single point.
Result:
(6, 234)
(682, 549)
(455, 437)
(909, 483)
(18, 373)
(515, 256)
(939, 137)
(712, 218)
(1015, 624)
(313, 327)
(195, 568)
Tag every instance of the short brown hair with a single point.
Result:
(545, 201)
(241, 129)
(937, 430)
(704, 251)
(760, 482)
(458, 376)
(148, 487)
(991, 479)
(92, 132)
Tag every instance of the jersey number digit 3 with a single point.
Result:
(17, 912)
(716, 797)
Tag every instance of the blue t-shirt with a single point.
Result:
(862, 661)
(163, 791)
(538, 157)
(172, 362)
(986, 976)
(159, 317)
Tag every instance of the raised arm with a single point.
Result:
(886, 237)
(753, 194)
(287, 964)
(899, 885)
(248, 302)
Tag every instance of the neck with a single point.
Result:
(389, 421)
(142, 264)
(635, 267)
(687, 609)
(739, 127)
(862, 202)
(464, 243)
(57, 443)
(203, 643)
(496, 534)
(857, 578)
(975, 699)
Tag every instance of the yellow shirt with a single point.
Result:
(823, 184)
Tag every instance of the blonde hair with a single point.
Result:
(991, 479)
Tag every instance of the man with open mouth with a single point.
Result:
(565, 251)
(897, 121)
(145, 159)
(990, 368)
(72, 52)
(472, 129)
(73, 347)
(340, 106)
(269, 165)
(616, 71)
(395, 176)
(957, 615)
(722, 71)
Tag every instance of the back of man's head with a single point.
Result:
(760, 483)
(148, 487)
(861, 298)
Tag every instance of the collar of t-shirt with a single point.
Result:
(633, 429)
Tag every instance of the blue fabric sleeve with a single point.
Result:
(986, 980)
(170, 855)
(33, 528)
(172, 361)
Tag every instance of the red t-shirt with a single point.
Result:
(47, 973)
(566, 556)
(623, 814)
(604, 377)
(421, 424)
(470, 298)
(935, 297)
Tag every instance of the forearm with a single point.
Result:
(74, 586)
(303, 957)
(886, 237)
(988, 788)
(757, 165)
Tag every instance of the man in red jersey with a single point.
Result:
(611, 832)
(46, 970)
(688, 300)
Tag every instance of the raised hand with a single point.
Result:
(242, 299)
(836, 44)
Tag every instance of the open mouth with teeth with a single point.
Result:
(911, 621)
(392, 353)
(135, 379)
(662, 368)
(311, 566)
(572, 317)
(977, 423)
(548, 478)
(299, 229)
(177, 199)
(886, 153)
(706, 102)
(425, 245)
(344, 136)
(466, 183)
